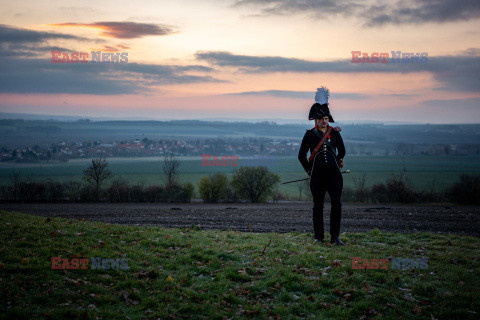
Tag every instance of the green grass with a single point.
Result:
(208, 274)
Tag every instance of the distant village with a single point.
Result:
(64, 151)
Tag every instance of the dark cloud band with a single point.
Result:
(24, 71)
(451, 72)
(10, 34)
(375, 13)
(20, 75)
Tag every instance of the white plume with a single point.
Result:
(322, 95)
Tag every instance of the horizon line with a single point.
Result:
(18, 116)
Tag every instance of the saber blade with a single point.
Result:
(294, 181)
(346, 171)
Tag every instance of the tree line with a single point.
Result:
(253, 184)
(93, 187)
(397, 189)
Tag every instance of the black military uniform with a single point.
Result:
(325, 173)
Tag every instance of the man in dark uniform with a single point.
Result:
(324, 169)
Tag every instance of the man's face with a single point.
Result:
(322, 122)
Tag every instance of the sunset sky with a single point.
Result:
(245, 59)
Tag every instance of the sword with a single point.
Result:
(346, 171)
(295, 181)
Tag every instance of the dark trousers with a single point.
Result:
(326, 179)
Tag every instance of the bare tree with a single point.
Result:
(97, 173)
(432, 190)
(360, 181)
(303, 187)
(360, 193)
(170, 168)
(432, 186)
(15, 179)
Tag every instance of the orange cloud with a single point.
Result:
(122, 30)
(109, 49)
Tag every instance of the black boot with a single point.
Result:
(337, 241)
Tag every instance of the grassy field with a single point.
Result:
(207, 274)
(436, 172)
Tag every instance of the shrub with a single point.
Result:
(212, 188)
(379, 193)
(137, 193)
(155, 194)
(361, 195)
(6, 193)
(255, 183)
(188, 192)
(72, 190)
(119, 191)
(467, 190)
(398, 190)
(54, 191)
(231, 195)
(181, 193)
(88, 193)
(347, 194)
(32, 191)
